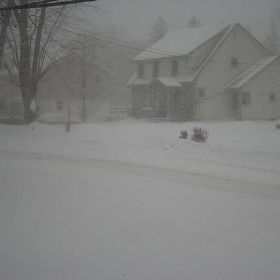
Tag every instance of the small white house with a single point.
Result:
(82, 84)
(206, 73)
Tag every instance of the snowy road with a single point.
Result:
(139, 205)
(73, 218)
(195, 178)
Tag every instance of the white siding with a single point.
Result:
(218, 72)
(260, 87)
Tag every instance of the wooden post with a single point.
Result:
(68, 122)
(168, 103)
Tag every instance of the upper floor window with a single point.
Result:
(272, 97)
(246, 98)
(156, 69)
(174, 68)
(141, 73)
(97, 79)
(234, 62)
(59, 105)
(177, 96)
(201, 92)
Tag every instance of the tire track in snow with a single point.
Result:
(194, 178)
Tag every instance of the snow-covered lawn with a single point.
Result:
(130, 200)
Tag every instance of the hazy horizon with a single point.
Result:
(135, 17)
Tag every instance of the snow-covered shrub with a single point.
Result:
(278, 124)
(184, 134)
(200, 135)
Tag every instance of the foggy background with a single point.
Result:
(135, 17)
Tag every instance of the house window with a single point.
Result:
(141, 73)
(59, 105)
(97, 79)
(177, 96)
(174, 68)
(156, 69)
(201, 93)
(272, 97)
(16, 108)
(234, 62)
(246, 98)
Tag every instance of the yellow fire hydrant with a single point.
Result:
(67, 127)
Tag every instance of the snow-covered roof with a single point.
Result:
(250, 72)
(174, 81)
(167, 81)
(180, 42)
(137, 81)
(226, 33)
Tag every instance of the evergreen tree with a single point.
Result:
(194, 22)
(271, 40)
(158, 31)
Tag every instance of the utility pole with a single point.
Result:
(84, 81)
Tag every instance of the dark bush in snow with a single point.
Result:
(278, 124)
(200, 135)
(184, 134)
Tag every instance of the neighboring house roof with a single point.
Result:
(77, 57)
(250, 72)
(180, 42)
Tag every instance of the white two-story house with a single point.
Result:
(206, 73)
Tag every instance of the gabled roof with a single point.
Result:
(180, 42)
(225, 35)
(250, 72)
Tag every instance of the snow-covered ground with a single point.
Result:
(130, 200)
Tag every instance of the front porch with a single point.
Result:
(158, 102)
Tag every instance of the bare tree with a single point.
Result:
(4, 23)
(34, 47)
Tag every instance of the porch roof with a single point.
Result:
(250, 72)
(134, 81)
(174, 81)
(166, 81)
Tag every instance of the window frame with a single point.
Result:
(234, 62)
(272, 100)
(141, 71)
(97, 79)
(16, 108)
(59, 105)
(156, 69)
(246, 98)
(201, 89)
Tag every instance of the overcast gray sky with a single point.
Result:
(135, 17)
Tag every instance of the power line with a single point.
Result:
(45, 3)
(92, 37)
(151, 50)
